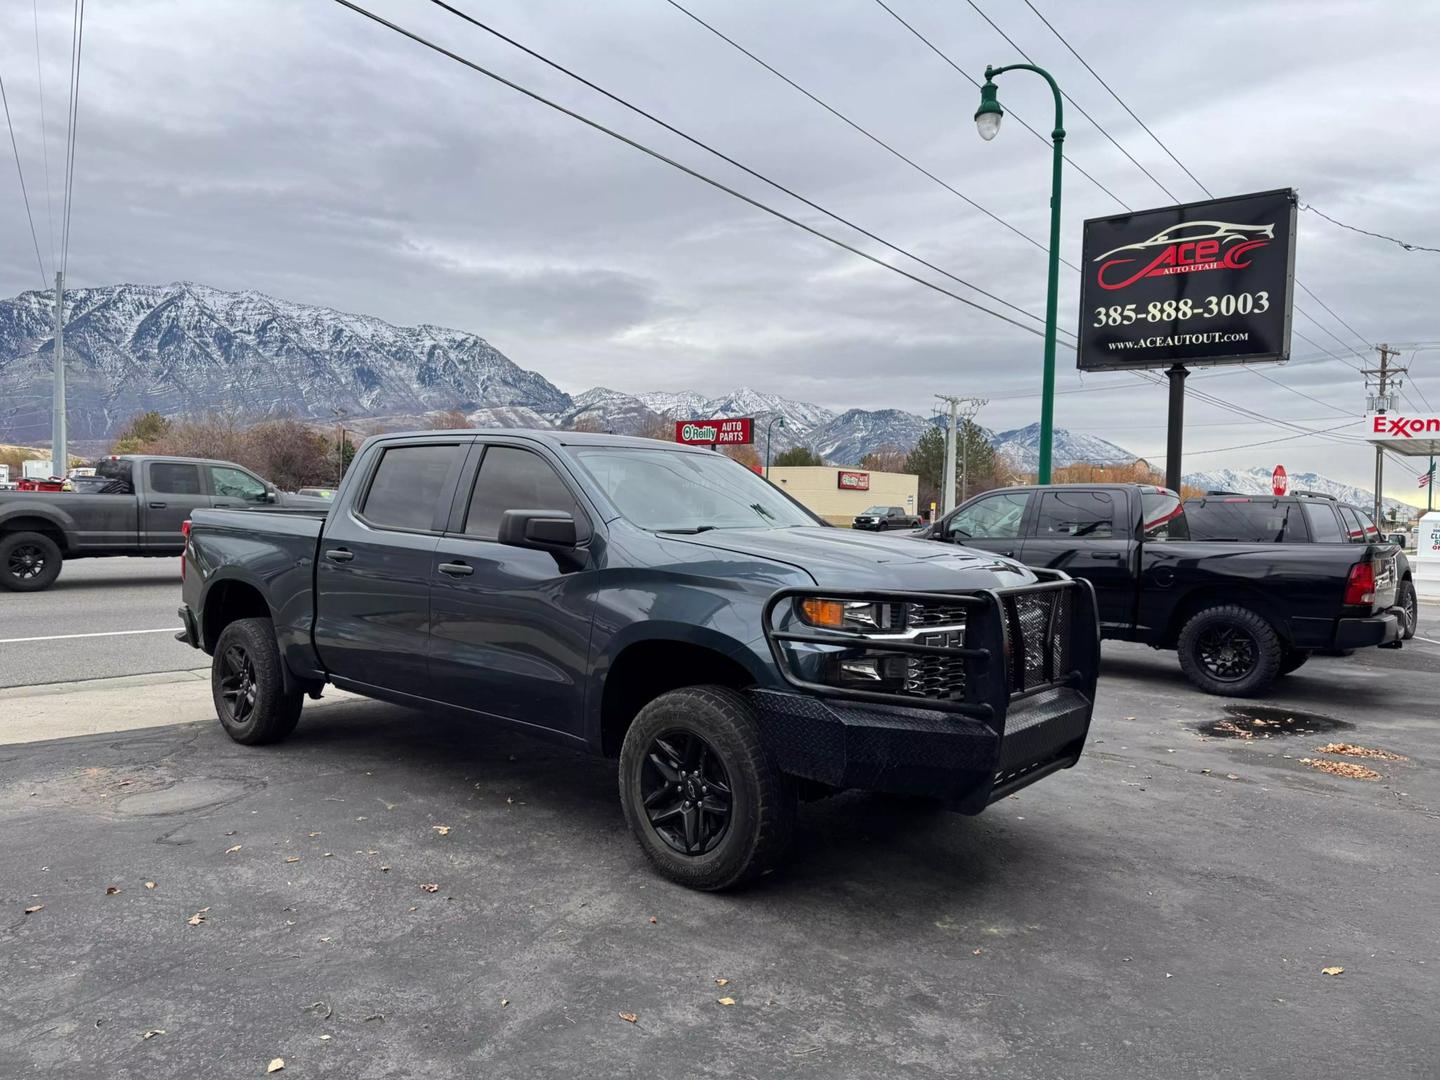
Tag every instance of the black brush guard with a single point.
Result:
(1020, 711)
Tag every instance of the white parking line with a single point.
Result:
(1428, 641)
(102, 633)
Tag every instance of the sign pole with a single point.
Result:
(1430, 495)
(1175, 432)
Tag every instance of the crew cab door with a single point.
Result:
(372, 580)
(510, 626)
(992, 522)
(1087, 534)
(172, 490)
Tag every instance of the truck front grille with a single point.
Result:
(939, 677)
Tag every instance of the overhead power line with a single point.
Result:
(861, 129)
(533, 95)
(1093, 122)
(1015, 116)
(727, 158)
(24, 192)
(44, 131)
(77, 44)
(1366, 232)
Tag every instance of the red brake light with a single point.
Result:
(1360, 589)
(185, 532)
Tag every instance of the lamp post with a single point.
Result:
(773, 421)
(987, 122)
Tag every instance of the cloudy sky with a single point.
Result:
(295, 147)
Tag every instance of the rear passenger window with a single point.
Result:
(409, 483)
(174, 478)
(513, 479)
(1087, 515)
(1324, 525)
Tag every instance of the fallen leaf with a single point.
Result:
(1129, 718)
(232, 850)
(325, 1038)
(976, 952)
(726, 1000)
(430, 887)
(1231, 776)
(629, 1018)
(504, 1003)
(1341, 768)
(292, 858)
(328, 855)
(722, 982)
(313, 835)
(149, 884)
(384, 869)
(32, 910)
(276, 1064)
(152, 1033)
(1331, 970)
(111, 890)
(198, 917)
(1351, 750)
(653, 920)
(443, 830)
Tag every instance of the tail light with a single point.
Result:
(1360, 589)
(185, 532)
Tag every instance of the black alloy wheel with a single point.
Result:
(1228, 653)
(27, 562)
(685, 792)
(237, 683)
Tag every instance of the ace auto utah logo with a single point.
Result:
(1188, 248)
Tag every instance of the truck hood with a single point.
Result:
(842, 558)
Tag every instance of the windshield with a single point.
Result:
(881, 510)
(672, 491)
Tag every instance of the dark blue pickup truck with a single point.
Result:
(657, 603)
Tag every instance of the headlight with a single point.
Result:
(842, 614)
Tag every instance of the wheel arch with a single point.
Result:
(225, 601)
(1202, 597)
(37, 523)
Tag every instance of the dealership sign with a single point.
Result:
(852, 481)
(721, 432)
(1204, 283)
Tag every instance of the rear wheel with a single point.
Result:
(29, 562)
(248, 685)
(1411, 603)
(1231, 651)
(700, 791)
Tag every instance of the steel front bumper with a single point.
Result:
(958, 759)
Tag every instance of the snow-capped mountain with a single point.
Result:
(610, 410)
(853, 434)
(187, 348)
(801, 417)
(1257, 481)
(1022, 447)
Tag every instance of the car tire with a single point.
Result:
(29, 562)
(728, 817)
(1410, 601)
(248, 686)
(1231, 651)
(1292, 659)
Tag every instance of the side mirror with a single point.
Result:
(545, 530)
(272, 496)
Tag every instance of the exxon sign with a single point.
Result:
(735, 431)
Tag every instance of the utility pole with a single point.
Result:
(962, 409)
(1387, 381)
(59, 457)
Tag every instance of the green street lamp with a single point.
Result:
(773, 421)
(987, 122)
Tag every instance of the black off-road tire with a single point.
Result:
(1201, 638)
(1410, 601)
(760, 821)
(1292, 659)
(29, 561)
(247, 683)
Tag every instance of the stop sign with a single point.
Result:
(1279, 481)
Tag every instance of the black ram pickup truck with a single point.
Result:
(134, 505)
(656, 603)
(1239, 614)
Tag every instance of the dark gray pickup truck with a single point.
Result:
(657, 603)
(135, 505)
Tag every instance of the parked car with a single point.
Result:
(1304, 517)
(880, 518)
(1239, 614)
(139, 508)
(317, 492)
(656, 603)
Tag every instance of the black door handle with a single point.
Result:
(456, 569)
(339, 555)
(157, 506)
(1105, 555)
(1008, 554)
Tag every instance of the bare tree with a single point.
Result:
(450, 420)
(887, 458)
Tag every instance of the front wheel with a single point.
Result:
(1231, 651)
(248, 685)
(700, 791)
(1411, 603)
(29, 562)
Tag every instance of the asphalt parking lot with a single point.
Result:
(1165, 909)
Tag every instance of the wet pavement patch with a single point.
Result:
(1264, 722)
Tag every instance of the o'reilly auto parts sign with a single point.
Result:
(721, 431)
(1205, 283)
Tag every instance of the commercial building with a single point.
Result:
(838, 494)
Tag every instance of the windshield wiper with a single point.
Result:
(693, 529)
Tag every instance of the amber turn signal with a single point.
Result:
(826, 613)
